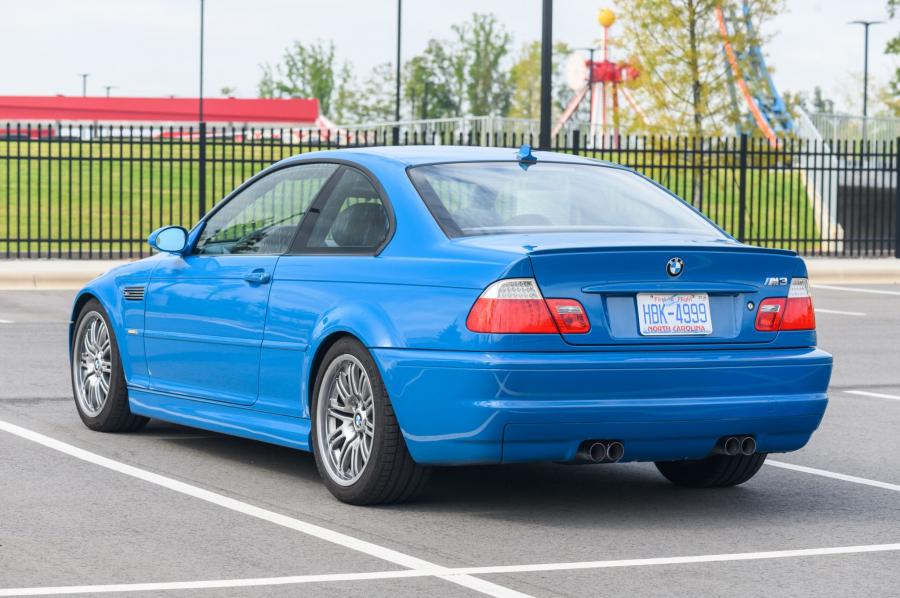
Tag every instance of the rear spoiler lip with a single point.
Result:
(673, 248)
(629, 288)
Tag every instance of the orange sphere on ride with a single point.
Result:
(606, 17)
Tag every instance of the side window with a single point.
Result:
(262, 218)
(352, 218)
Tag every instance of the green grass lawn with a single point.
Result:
(104, 197)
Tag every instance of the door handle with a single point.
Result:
(258, 277)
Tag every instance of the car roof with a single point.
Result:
(413, 155)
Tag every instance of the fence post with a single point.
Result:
(742, 188)
(897, 198)
(201, 186)
(576, 142)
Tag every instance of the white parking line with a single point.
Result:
(682, 560)
(835, 476)
(451, 572)
(855, 290)
(316, 531)
(838, 312)
(876, 395)
(6, 322)
(212, 583)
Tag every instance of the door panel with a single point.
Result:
(204, 326)
(206, 312)
(349, 223)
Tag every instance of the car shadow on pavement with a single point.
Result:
(267, 457)
(561, 495)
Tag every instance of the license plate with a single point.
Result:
(681, 314)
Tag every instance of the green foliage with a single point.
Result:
(893, 48)
(464, 75)
(484, 43)
(440, 70)
(372, 100)
(818, 103)
(307, 71)
(525, 81)
(680, 49)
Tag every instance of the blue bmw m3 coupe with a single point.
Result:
(391, 309)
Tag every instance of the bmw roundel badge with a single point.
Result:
(675, 266)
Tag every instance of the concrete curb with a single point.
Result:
(853, 270)
(43, 274)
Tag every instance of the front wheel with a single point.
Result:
(359, 449)
(716, 471)
(98, 381)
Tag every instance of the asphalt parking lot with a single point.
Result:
(171, 511)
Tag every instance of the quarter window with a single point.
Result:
(353, 217)
(263, 218)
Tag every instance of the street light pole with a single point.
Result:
(202, 19)
(201, 129)
(107, 88)
(546, 72)
(865, 110)
(84, 77)
(396, 132)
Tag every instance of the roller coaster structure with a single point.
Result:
(750, 78)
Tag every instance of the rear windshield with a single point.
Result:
(485, 198)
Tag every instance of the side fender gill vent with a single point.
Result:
(134, 293)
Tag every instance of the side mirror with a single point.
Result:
(169, 239)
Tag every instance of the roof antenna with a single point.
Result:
(525, 157)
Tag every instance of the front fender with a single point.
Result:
(125, 316)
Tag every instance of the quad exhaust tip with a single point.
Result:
(614, 451)
(601, 451)
(735, 445)
(597, 452)
(748, 445)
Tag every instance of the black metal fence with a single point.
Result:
(98, 191)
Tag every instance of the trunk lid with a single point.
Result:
(608, 279)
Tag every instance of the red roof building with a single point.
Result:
(232, 111)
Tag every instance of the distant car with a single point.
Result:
(390, 309)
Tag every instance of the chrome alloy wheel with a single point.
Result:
(92, 364)
(345, 419)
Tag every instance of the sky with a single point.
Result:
(150, 47)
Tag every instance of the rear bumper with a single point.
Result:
(459, 407)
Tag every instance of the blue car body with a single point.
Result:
(231, 343)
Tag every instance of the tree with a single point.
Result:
(307, 71)
(484, 42)
(820, 103)
(817, 104)
(440, 69)
(893, 47)
(680, 48)
(371, 101)
(463, 75)
(525, 81)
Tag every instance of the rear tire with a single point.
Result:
(359, 448)
(716, 471)
(98, 380)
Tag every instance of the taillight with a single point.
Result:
(569, 316)
(795, 312)
(768, 317)
(799, 313)
(516, 306)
